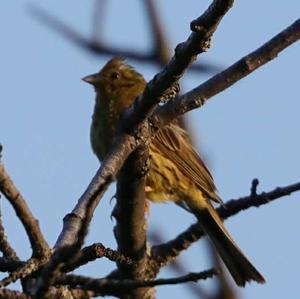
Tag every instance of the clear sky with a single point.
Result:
(248, 131)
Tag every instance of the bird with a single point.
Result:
(176, 173)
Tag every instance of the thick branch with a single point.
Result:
(185, 54)
(64, 255)
(198, 96)
(165, 253)
(130, 231)
(7, 187)
(122, 147)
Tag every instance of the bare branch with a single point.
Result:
(24, 271)
(64, 255)
(198, 96)
(120, 150)
(7, 187)
(179, 268)
(130, 230)
(254, 185)
(93, 252)
(164, 254)
(116, 287)
(5, 246)
(235, 206)
(185, 54)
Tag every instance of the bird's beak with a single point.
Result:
(91, 79)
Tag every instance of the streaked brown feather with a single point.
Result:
(173, 142)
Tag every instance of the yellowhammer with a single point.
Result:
(176, 173)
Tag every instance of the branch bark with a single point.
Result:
(130, 231)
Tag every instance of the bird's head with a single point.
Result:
(117, 79)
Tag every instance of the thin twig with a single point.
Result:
(179, 268)
(106, 286)
(24, 271)
(5, 246)
(165, 253)
(93, 252)
(254, 185)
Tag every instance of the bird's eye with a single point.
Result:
(115, 75)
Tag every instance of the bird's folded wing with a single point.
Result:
(174, 143)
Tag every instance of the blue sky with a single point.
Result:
(248, 131)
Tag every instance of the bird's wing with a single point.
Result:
(173, 142)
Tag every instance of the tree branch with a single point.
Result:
(164, 254)
(24, 271)
(93, 252)
(130, 231)
(179, 267)
(198, 96)
(39, 245)
(5, 246)
(120, 150)
(185, 54)
(117, 287)
(63, 255)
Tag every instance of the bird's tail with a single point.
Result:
(237, 263)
